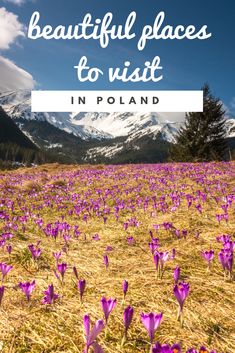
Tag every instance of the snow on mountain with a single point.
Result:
(101, 125)
(168, 132)
(129, 124)
(107, 151)
(91, 125)
(231, 127)
(18, 105)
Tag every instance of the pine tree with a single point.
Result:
(203, 137)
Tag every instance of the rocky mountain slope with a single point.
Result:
(89, 126)
(93, 137)
(10, 133)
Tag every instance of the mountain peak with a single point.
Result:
(99, 126)
(87, 126)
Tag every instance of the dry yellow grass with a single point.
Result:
(209, 310)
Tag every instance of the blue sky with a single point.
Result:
(186, 64)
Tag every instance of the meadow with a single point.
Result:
(117, 258)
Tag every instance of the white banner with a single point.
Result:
(117, 101)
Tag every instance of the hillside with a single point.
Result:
(68, 147)
(10, 132)
(99, 137)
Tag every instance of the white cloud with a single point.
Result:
(14, 77)
(16, 2)
(10, 28)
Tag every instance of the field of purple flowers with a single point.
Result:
(118, 259)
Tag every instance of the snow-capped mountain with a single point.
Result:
(18, 105)
(99, 137)
(129, 124)
(231, 127)
(93, 125)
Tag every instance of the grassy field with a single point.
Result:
(91, 208)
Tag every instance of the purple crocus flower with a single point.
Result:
(201, 350)
(9, 249)
(226, 260)
(50, 296)
(2, 289)
(109, 248)
(225, 217)
(127, 317)
(36, 252)
(157, 348)
(176, 348)
(107, 305)
(156, 227)
(125, 287)
(62, 269)
(156, 259)
(160, 258)
(199, 208)
(67, 238)
(96, 237)
(81, 287)
(106, 261)
(2, 243)
(181, 292)
(229, 246)
(223, 238)
(130, 240)
(177, 233)
(153, 247)
(167, 225)
(173, 253)
(125, 225)
(208, 256)
(4, 268)
(57, 256)
(219, 217)
(151, 322)
(85, 218)
(166, 348)
(222, 258)
(164, 257)
(176, 274)
(27, 288)
(155, 240)
(91, 335)
(7, 236)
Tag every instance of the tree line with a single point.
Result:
(203, 137)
